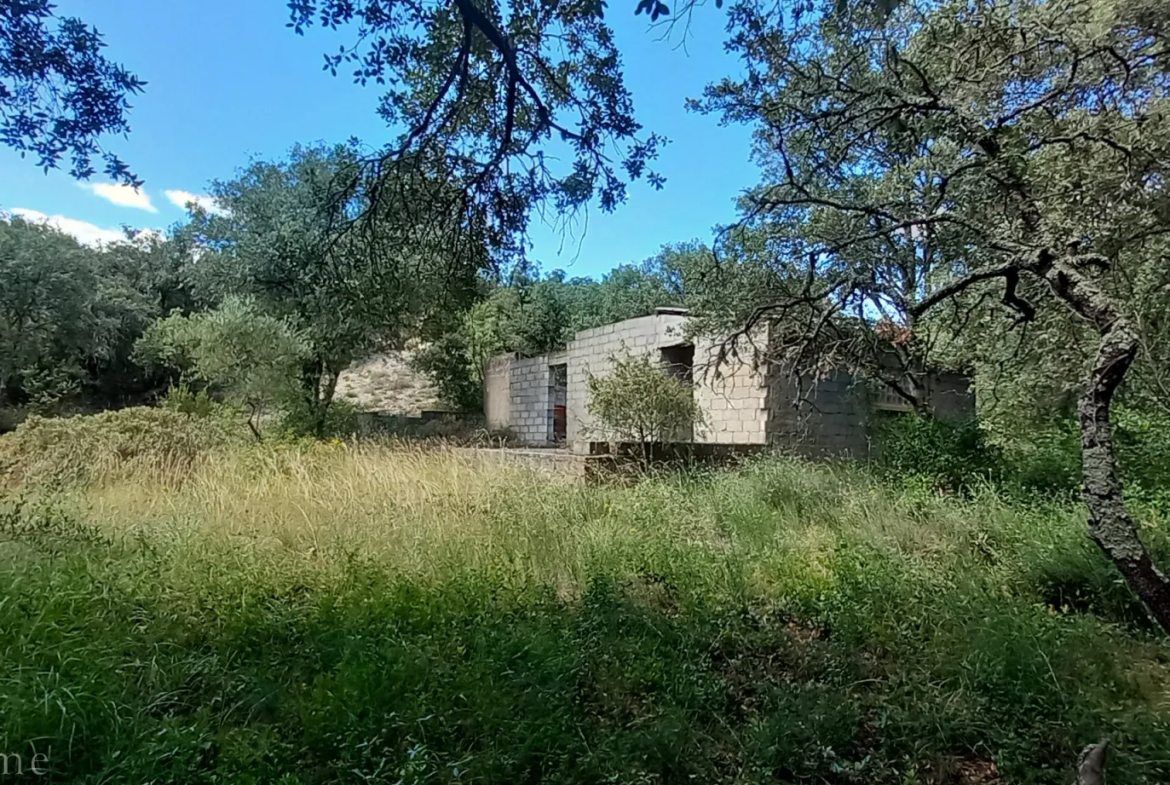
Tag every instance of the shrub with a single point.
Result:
(85, 449)
(338, 422)
(639, 401)
(950, 457)
(198, 403)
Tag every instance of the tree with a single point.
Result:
(1024, 143)
(280, 236)
(62, 315)
(483, 91)
(640, 401)
(58, 92)
(250, 359)
(140, 279)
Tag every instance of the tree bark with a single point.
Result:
(325, 401)
(1110, 524)
(1091, 766)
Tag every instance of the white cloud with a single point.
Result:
(86, 233)
(122, 195)
(184, 198)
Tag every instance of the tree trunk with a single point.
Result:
(1110, 524)
(1091, 766)
(326, 399)
(319, 383)
(254, 421)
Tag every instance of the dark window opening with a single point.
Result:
(679, 361)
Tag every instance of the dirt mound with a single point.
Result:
(387, 383)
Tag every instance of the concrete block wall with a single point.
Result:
(732, 395)
(497, 392)
(821, 418)
(951, 397)
(743, 401)
(591, 352)
(531, 411)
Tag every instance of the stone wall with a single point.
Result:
(497, 392)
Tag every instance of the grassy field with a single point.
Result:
(371, 614)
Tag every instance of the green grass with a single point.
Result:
(371, 614)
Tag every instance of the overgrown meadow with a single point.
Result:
(177, 607)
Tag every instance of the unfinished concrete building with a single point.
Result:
(544, 400)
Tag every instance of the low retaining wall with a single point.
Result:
(424, 424)
(607, 459)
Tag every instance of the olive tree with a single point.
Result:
(251, 359)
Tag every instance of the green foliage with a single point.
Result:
(197, 403)
(52, 452)
(480, 94)
(1039, 462)
(299, 419)
(58, 93)
(447, 362)
(69, 315)
(251, 359)
(282, 234)
(57, 314)
(418, 618)
(638, 400)
(953, 457)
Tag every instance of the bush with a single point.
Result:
(85, 449)
(338, 422)
(949, 457)
(1046, 460)
(639, 401)
(198, 403)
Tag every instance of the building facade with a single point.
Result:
(544, 400)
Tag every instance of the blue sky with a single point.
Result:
(227, 80)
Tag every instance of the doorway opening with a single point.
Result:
(558, 400)
(679, 362)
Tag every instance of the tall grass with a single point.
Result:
(338, 613)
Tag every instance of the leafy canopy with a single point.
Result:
(58, 92)
(70, 314)
(251, 359)
(493, 94)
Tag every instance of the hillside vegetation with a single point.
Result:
(364, 613)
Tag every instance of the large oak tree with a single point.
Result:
(956, 154)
